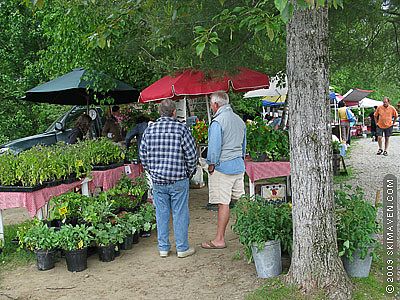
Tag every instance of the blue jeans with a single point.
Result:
(173, 197)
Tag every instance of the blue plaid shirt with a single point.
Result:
(168, 151)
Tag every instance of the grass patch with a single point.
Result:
(370, 288)
(342, 178)
(13, 256)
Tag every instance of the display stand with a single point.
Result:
(36, 202)
(265, 170)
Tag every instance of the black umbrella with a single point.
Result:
(77, 88)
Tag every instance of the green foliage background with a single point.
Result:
(140, 41)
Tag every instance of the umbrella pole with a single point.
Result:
(208, 110)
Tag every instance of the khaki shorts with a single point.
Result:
(222, 188)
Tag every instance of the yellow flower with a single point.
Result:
(80, 244)
(63, 211)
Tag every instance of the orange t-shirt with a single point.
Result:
(385, 116)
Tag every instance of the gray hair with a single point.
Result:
(220, 97)
(167, 108)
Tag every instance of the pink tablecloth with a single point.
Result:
(108, 178)
(264, 170)
(33, 201)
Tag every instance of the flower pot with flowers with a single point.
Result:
(263, 228)
(66, 209)
(357, 230)
(200, 132)
(43, 241)
(74, 240)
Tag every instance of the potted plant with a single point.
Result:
(127, 194)
(148, 213)
(131, 225)
(97, 210)
(107, 236)
(265, 143)
(74, 240)
(200, 132)
(357, 230)
(67, 208)
(262, 228)
(43, 241)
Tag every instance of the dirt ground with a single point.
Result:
(140, 273)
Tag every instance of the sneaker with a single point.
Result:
(186, 253)
(385, 153)
(380, 151)
(164, 254)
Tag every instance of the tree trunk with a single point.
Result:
(315, 261)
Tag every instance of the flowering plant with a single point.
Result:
(200, 131)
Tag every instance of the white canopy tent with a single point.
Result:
(273, 93)
(366, 103)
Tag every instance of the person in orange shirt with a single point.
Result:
(385, 116)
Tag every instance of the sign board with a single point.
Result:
(275, 193)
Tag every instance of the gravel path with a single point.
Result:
(369, 169)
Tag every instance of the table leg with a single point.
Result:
(39, 214)
(85, 187)
(1, 228)
(251, 188)
(288, 186)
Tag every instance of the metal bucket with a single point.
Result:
(268, 260)
(358, 267)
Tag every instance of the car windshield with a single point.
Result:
(68, 120)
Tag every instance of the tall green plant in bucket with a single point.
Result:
(357, 230)
(258, 221)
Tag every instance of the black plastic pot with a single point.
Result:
(145, 233)
(135, 237)
(108, 167)
(76, 260)
(106, 253)
(127, 244)
(45, 259)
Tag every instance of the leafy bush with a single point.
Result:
(41, 237)
(263, 140)
(74, 237)
(127, 193)
(68, 205)
(148, 213)
(356, 223)
(130, 223)
(106, 234)
(258, 221)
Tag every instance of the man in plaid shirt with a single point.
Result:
(168, 153)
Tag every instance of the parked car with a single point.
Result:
(58, 131)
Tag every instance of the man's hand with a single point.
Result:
(211, 169)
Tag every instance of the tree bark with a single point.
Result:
(315, 261)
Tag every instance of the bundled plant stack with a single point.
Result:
(43, 166)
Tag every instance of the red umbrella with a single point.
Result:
(193, 83)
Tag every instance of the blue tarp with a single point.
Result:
(271, 104)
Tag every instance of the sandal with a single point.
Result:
(210, 245)
(385, 153)
(380, 151)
